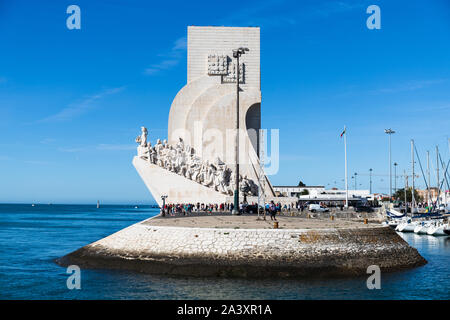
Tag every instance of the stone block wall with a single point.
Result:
(248, 252)
(222, 40)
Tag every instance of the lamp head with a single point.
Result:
(239, 51)
(389, 131)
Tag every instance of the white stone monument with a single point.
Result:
(197, 163)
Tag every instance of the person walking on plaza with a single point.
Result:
(272, 211)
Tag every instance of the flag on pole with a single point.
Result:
(346, 176)
(343, 132)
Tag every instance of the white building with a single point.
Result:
(319, 193)
(296, 191)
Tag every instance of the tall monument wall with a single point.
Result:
(202, 117)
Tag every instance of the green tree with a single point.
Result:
(304, 192)
(400, 195)
(301, 184)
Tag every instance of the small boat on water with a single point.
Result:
(406, 226)
(399, 224)
(437, 229)
(417, 224)
(394, 218)
(422, 227)
(391, 223)
(391, 213)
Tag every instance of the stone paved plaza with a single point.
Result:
(250, 222)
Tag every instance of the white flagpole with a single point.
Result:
(346, 180)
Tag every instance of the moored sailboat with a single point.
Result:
(406, 226)
(422, 227)
(437, 229)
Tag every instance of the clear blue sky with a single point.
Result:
(72, 101)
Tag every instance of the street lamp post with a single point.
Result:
(163, 198)
(236, 54)
(370, 180)
(355, 180)
(390, 132)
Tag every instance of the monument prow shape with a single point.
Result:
(199, 157)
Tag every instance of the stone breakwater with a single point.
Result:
(247, 252)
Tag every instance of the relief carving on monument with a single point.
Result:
(181, 159)
(224, 66)
(217, 64)
(231, 76)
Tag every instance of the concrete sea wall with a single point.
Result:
(247, 252)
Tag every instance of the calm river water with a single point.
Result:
(32, 237)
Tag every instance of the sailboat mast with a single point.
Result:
(412, 189)
(437, 176)
(428, 173)
(406, 188)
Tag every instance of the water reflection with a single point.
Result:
(33, 237)
(424, 240)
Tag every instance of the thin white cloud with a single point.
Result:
(334, 7)
(171, 58)
(410, 86)
(283, 13)
(293, 157)
(38, 162)
(79, 108)
(163, 65)
(427, 108)
(99, 147)
(116, 147)
(73, 150)
(180, 44)
(47, 141)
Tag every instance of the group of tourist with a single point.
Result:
(184, 209)
(271, 208)
(188, 208)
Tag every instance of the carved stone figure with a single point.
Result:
(153, 155)
(253, 188)
(158, 146)
(210, 175)
(196, 170)
(143, 139)
(148, 152)
(222, 179)
(188, 150)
